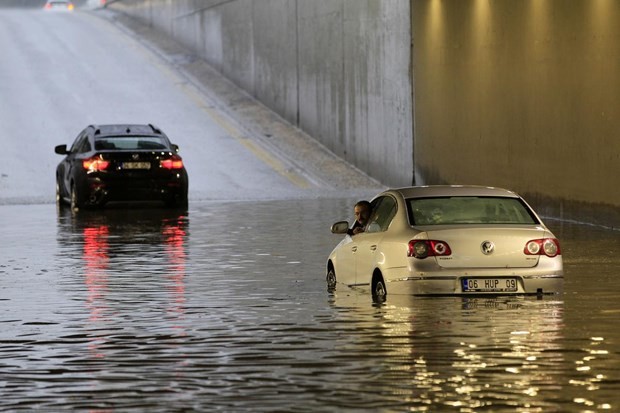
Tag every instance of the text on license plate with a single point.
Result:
(489, 285)
(136, 165)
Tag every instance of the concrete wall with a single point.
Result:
(522, 94)
(337, 69)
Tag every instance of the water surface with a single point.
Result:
(226, 309)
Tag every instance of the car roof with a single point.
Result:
(429, 191)
(126, 129)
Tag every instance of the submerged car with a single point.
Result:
(109, 163)
(448, 240)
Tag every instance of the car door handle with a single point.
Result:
(373, 247)
(354, 249)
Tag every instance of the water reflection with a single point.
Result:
(128, 311)
(131, 262)
(96, 261)
(461, 353)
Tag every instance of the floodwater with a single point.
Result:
(226, 309)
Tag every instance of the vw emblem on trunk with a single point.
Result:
(135, 156)
(487, 247)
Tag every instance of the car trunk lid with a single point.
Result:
(487, 246)
(135, 162)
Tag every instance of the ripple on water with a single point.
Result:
(225, 309)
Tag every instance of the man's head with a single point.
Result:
(362, 212)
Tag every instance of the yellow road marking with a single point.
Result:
(273, 162)
(262, 154)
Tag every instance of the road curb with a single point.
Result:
(299, 152)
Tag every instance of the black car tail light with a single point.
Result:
(174, 162)
(543, 246)
(428, 248)
(95, 164)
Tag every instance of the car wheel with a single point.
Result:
(76, 201)
(331, 279)
(60, 201)
(379, 292)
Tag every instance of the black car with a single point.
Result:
(108, 163)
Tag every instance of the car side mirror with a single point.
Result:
(340, 227)
(175, 148)
(61, 150)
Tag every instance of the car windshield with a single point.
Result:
(469, 210)
(131, 143)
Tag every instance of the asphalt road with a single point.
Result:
(63, 71)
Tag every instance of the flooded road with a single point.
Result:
(225, 308)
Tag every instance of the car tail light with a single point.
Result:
(95, 164)
(175, 162)
(543, 246)
(428, 248)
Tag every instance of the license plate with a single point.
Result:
(136, 165)
(489, 285)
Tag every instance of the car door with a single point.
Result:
(368, 254)
(345, 260)
(73, 160)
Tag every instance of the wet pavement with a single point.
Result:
(225, 308)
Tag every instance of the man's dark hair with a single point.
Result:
(364, 203)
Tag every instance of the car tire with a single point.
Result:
(60, 200)
(330, 278)
(379, 292)
(76, 200)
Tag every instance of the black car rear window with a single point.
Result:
(131, 143)
(469, 210)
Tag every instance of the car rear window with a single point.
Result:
(469, 210)
(130, 143)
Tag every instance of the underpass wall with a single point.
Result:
(337, 69)
(523, 95)
(516, 94)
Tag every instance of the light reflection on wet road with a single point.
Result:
(225, 309)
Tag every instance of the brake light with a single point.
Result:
(543, 246)
(175, 162)
(95, 164)
(428, 248)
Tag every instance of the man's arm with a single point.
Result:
(356, 229)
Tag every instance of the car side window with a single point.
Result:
(372, 225)
(383, 212)
(85, 147)
(79, 144)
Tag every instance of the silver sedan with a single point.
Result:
(448, 240)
